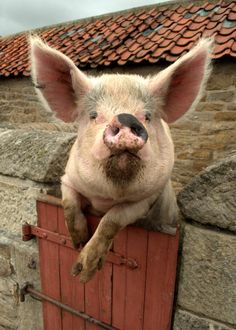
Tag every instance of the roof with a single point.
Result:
(144, 35)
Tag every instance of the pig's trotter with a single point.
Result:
(90, 260)
(76, 269)
(76, 224)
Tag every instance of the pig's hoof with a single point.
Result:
(76, 269)
(86, 266)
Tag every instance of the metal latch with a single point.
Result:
(30, 231)
(28, 288)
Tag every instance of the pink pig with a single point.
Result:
(121, 162)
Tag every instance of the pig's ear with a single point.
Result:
(181, 83)
(58, 81)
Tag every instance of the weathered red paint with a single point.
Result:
(126, 298)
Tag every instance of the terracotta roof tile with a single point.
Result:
(227, 31)
(233, 48)
(170, 58)
(177, 50)
(155, 37)
(180, 9)
(149, 34)
(148, 45)
(210, 6)
(223, 47)
(232, 16)
(179, 27)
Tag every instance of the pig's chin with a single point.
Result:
(122, 167)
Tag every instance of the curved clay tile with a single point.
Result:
(149, 34)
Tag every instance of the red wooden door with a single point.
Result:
(121, 295)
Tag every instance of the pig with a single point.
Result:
(120, 165)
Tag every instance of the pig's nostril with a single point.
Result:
(114, 130)
(140, 131)
(137, 130)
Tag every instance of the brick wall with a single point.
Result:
(201, 137)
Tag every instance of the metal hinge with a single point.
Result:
(28, 288)
(30, 231)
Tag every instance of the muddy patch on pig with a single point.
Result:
(122, 168)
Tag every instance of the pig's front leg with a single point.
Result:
(75, 219)
(93, 254)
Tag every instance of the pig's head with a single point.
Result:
(122, 131)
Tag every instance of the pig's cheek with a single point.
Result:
(100, 151)
(146, 152)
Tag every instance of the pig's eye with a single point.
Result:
(93, 115)
(148, 116)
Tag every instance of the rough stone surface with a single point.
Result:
(211, 196)
(18, 202)
(207, 282)
(41, 126)
(16, 315)
(8, 303)
(185, 321)
(24, 255)
(19, 102)
(5, 264)
(226, 96)
(36, 155)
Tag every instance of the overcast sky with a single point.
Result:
(22, 15)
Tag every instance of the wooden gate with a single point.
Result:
(133, 291)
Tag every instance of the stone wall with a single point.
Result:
(31, 163)
(206, 297)
(201, 137)
(208, 133)
(19, 102)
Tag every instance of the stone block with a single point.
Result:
(185, 321)
(5, 256)
(8, 303)
(207, 281)
(18, 202)
(220, 81)
(205, 106)
(214, 128)
(231, 106)
(36, 155)
(210, 197)
(5, 267)
(195, 154)
(225, 116)
(25, 261)
(226, 96)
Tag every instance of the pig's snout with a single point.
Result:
(125, 132)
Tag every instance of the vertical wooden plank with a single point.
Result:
(72, 292)
(119, 282)
(105, 293)
(49, 266)
(98, 291)
(135, 288)
(92, 307)
(160, 280)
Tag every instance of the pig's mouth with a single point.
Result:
(121, 167)
(126, 152)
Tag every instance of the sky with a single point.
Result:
(23, 15)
